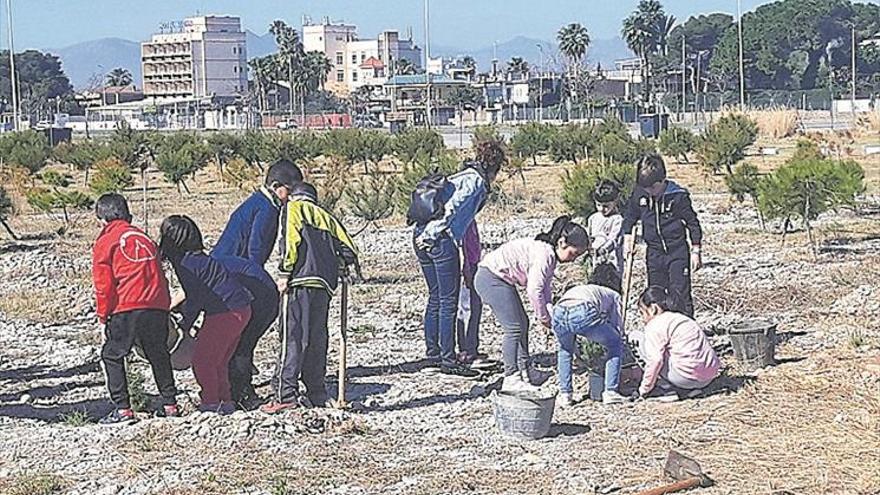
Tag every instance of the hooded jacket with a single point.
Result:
(316, 244)
(252, 228)
(127, 272)
(664, 219)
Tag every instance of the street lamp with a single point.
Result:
(540, 83)
(742, 77)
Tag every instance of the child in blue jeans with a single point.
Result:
(591, 311)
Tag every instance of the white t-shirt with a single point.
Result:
(607, 239)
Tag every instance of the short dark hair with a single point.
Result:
(607, 191)
(304, 189)
(283, 172)
(659, 296)
(651, 171)
(490, 157)
(605, 275)
(112, 206)
(179, 235)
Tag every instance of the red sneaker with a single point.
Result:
(277, 407)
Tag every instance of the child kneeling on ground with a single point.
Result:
(212, 289)
(317, 249)
(674, 348)
(529, 263)
(591, 311)
(132, 302)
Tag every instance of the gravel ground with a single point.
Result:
(408, 432)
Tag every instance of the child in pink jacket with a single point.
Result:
(673, 346)
(528, 263)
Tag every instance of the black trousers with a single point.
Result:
(264, 312)
(149, 329)
(304, 342)
(672, 271)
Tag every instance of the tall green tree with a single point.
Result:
(642, 33)
(290, 52)
(43, 86)
(518, 66)
(574, 39)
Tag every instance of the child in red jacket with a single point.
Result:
(132, 302)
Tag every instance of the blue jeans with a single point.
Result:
(441, 268)
(585, 320)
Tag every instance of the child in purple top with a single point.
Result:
(470, 306)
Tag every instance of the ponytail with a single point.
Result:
(659, 296)
(563, 228)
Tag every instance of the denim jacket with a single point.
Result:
(465, 202)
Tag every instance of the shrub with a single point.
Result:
(111, 176)
(81, 156)
(806, 188)
(417, 144)
(240, 175)
(371, 197)
(743, 183)
(571, 143)
(806, 150)
(181, 155)
(483, 133)
(776, 123)
(57, 196)
(7, 210)
(27, 149)
(724, 143)
(531, 140)
(343, 145)
(224, 146)
(579, 183)
(132, 147)
(677, 142)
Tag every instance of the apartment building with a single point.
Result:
(357, 62)
(201, 57)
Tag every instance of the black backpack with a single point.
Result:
(428, 199)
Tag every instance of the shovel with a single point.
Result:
(686, 472)
(343, 342)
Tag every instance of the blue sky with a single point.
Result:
(457, 23)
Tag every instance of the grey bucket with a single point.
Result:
(526, 416)
(754, 343)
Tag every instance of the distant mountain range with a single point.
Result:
(84, 63)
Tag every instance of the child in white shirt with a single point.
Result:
(605, 226)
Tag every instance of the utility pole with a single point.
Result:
(683, 78)
(13, 77)
(541, 84)
(427, 63)
(742, 76)
(853, 102)
(290, 86)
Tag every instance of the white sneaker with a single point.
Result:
(565, 400)
(514, 383)
(612, 397)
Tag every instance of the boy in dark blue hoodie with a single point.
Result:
(668, 220)
(251, 234)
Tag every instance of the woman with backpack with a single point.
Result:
(528, 263)
(442, 210)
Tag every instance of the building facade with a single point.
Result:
(206, 56)
(358, 63)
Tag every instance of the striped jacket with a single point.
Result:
(316, 246)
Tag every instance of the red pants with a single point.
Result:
(214, 347)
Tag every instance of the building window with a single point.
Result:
(363, 57)
(354, 58)
(340, 76)
(339, 59)
(354, 77)
(234, 50)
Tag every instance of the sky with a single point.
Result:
(456, 23)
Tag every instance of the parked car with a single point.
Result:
(286, 124)
(367, 122)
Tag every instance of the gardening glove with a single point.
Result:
(696, 259)
(282, 286)
(423, 244)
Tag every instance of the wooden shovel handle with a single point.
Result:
(673, 487)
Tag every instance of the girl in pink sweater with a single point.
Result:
(528, 263)
(674, 347)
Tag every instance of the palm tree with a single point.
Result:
(641, 31)
(261, 69)
(119, 77)
(317, 67)
(664, 30)
(518, 66)
(470, 64)
(290, 50)
(574, 39)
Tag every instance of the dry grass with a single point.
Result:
(775, 123)
(869, 123)
(32, 484)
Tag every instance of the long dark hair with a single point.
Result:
(179, 235)
(563, 227)
(659, 296)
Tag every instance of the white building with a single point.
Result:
(357, 62)
(205, 56)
